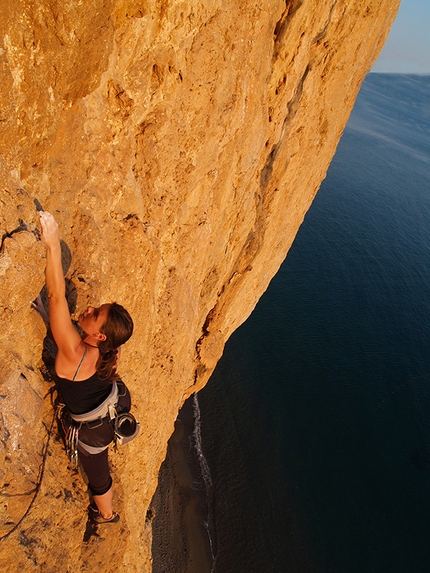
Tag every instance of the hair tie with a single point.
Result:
(110, 352)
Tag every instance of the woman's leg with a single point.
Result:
(104, 504)
(96, 467)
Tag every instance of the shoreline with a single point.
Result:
(180, 540)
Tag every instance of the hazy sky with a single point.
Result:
(407, 49)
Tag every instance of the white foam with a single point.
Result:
(206, 474)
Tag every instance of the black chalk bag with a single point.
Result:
(126, 427)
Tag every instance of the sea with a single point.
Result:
(314, 430)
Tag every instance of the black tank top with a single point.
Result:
(85, 395)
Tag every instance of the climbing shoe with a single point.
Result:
(97, 517)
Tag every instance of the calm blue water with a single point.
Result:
(316, 423)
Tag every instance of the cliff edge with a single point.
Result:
(179, 145)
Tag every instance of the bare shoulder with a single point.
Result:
(67, 363)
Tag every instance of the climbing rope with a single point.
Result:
(38, 484)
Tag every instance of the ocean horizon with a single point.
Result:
(315, 424)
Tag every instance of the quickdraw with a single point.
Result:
(72, 439)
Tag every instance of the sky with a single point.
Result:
(407, 49)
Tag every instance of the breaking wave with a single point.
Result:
(196, 439)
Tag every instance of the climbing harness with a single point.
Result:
(106, 408)
(124, 425)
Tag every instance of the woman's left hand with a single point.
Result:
(49, 228)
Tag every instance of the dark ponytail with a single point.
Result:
(117, 328)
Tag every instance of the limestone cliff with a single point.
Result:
(179, 145)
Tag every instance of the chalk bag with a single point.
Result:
(126, 427)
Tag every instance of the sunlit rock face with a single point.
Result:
(179, 145)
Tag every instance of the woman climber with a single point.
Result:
(85, 368)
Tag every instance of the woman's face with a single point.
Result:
(93, 319)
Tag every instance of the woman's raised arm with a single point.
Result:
(63, 331)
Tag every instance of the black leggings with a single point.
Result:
(98, 434)
(96, 466)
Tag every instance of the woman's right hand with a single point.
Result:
(49, 228)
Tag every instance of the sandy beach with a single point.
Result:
(180, 540)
